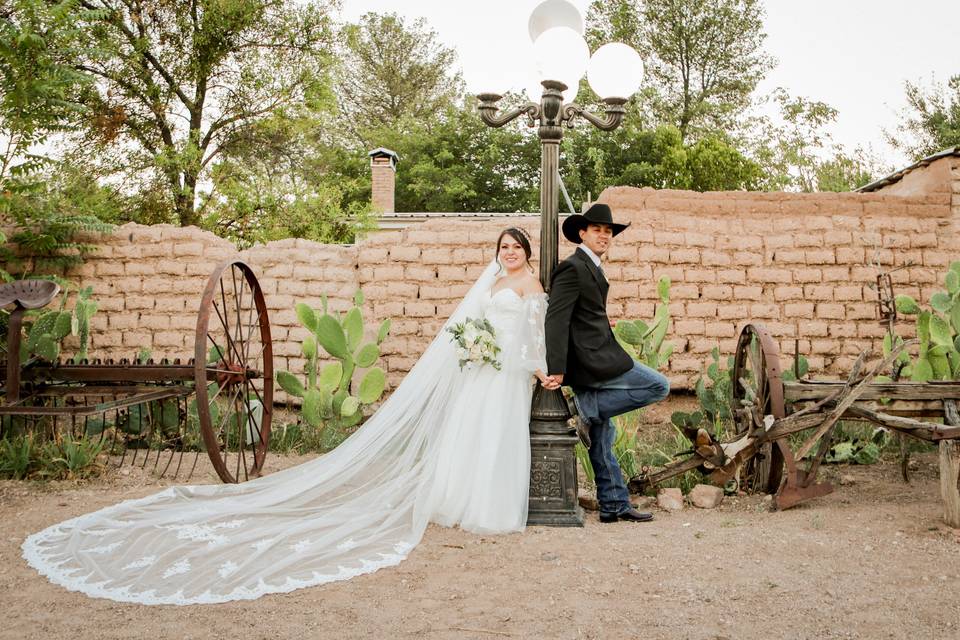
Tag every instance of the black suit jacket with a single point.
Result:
(580, 342)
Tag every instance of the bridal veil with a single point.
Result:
(359, 508)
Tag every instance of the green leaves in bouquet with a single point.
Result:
(330, 401)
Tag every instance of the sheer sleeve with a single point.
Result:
(530, 340)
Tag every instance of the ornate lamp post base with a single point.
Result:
(553, 464)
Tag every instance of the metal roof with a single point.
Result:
(896, 176)
(384, 152)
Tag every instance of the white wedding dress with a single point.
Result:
(447, 446)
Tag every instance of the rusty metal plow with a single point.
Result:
(166, 414)
(768, 410)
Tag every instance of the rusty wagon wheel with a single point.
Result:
(233, 371)
(758, 392)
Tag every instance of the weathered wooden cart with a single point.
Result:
(768, 410)
(219, 402)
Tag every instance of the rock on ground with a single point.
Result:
(588, 500)
(706, 496)
(670, 499)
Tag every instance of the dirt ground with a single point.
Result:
(871, 560)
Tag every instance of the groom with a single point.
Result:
(583, 353)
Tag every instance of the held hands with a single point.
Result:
(550, 382)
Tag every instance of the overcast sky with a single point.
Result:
(852, 54)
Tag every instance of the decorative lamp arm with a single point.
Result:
(614, 113)
(488, 110)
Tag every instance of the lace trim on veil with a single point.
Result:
(357, 509)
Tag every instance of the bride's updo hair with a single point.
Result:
(520, 236)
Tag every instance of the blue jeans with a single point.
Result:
(636, 388)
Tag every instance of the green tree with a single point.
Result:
(634, 156)
(614, 21)
(703, 58)
(178, 83)
(845, 172)
(305, 172)
(931, 121)
(392, 73)
(799, 154)
(50, 207)
(454, 162)
(280, 182)
(39, 90)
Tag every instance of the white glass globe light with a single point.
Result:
(554, 13)
(615, 71)
(561, 54)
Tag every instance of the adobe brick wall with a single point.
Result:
(799, 263)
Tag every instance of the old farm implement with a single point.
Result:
(162, 414)
(768, 410)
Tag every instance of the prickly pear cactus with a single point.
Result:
(330, 398)
(83, 310)
(938, 329)
(645, 342)
(44, 336)
(50, 327)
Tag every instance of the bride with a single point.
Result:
(449, 446)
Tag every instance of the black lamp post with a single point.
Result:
(614, 71)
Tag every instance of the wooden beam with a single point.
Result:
(812, 390)
(950, 470)
(929, 431)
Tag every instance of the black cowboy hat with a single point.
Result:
(596, 214)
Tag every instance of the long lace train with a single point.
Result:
(357, 509)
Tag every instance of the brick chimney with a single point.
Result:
(383, 170)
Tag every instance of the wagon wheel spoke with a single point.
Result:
(754, 361)
(233, 320)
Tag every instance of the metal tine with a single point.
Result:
(172, 450)
(146, 455)
(113, 441)
(103, 425)
(179, 453)
(161, 437)
(196, 456)
(136, 450)
(116, 428)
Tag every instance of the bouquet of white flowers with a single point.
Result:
(476, 343)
